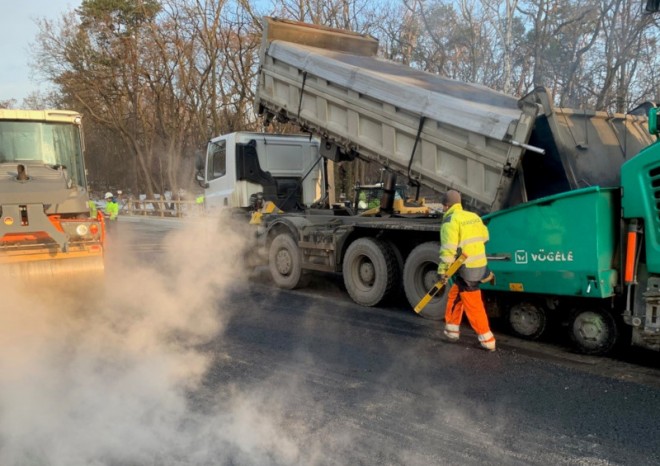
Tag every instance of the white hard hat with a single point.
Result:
(108, 195)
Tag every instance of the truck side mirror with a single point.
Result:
(199, 177)
(653, 121)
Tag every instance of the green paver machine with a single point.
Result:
(592, 252)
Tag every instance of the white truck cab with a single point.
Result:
(242, 169)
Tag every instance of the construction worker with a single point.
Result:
(199, 202)
(373, 203)
(362, 201)
(93, 212)
(111, 210)
(464, 232)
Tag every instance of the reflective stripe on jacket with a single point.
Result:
(463, 231)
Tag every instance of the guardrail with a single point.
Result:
(162, 208)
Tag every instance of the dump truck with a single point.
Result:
(570, 196)
(246, 171)
(46, 230)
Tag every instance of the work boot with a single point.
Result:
(488, 346)
(451, 336)
(487, 341)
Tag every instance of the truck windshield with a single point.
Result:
(56, 144)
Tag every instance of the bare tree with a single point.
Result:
(9, 103)
(400, 31)
(155, 79)
(163, 76)
(502, 20)
(623, 29)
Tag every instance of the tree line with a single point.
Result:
(155, 79)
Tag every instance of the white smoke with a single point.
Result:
(107, 379)
(127, 378)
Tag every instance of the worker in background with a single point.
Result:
(111, 210)
(373, 203)
(464, 231)
(93, 211)
(365, 203)
(362, 201)
(199, 202)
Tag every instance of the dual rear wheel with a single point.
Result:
(371, 271)
(420, 273)
(370, 268)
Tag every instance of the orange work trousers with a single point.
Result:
(470, 302)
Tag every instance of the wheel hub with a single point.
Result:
(591, 327)
(525, 319)
(367, 272)
(283, 262)
(429, 278)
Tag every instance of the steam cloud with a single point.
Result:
(120, 380)
(88, 380)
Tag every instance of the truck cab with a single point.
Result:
(243, 170)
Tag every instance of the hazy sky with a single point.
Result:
(17, 32)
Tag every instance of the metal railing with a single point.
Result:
(162, 208)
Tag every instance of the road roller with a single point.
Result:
(50, 231)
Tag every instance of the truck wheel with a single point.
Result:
(285, 262)
(420, 273)
(369, 270)
(593, 331)
(397, 291)
(527, 320)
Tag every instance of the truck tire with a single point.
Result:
(285, 263)
(527, 320)
(370, 271)
(420, 273)
(397, 292)
(593, 331)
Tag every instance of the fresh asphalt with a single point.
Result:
(346, 384)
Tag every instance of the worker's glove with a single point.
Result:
(489, 278)
(442, 278)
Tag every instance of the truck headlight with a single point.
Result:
(82, 229)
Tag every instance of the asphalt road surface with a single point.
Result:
(309, 377)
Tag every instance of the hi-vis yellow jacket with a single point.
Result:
(112, 209)
(463, 231)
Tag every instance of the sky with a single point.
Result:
(18, 31)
